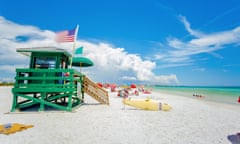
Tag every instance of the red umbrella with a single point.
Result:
(100, 84)
(133, 86)
(113, 86)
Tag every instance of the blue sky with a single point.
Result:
(150, 41)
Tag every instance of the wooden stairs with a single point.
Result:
(93, 90)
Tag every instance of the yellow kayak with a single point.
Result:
(147, 104)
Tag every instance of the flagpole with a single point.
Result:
(74, 45)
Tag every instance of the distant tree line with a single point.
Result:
(6, 83)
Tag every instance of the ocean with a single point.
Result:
(228, 95)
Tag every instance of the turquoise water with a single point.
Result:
(218, 94)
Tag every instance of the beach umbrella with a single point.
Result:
(81, 62)
(133, 86)
(100, 85)
(106, 85)
(113, 85)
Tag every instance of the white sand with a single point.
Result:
(191, 121)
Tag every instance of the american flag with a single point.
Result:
(65, 36)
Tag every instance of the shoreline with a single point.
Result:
(223, 99)
(189, 121)
(206, 101)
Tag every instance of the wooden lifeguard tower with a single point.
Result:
(51, 82)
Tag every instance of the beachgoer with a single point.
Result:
(136, 93)
(121, 93)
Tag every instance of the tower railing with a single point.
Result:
(57, 88)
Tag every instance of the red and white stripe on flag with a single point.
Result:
(65, 36)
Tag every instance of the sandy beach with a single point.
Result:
(190, 121)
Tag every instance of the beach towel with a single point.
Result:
(234, 139)
(11, 128)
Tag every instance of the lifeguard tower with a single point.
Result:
(50, 82)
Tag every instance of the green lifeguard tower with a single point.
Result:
(51, 82)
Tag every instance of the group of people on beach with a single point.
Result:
(127, 91)
(198, 95)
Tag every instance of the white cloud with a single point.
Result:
(199, 69)
(111, 63)
(218, 39)
(188, 27)
(181, 53)
(11, 68)
(116, 63)
(129, 78)
(8, 68)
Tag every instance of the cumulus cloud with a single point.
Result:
(181, 53)
(111, 63)
(117, 64)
